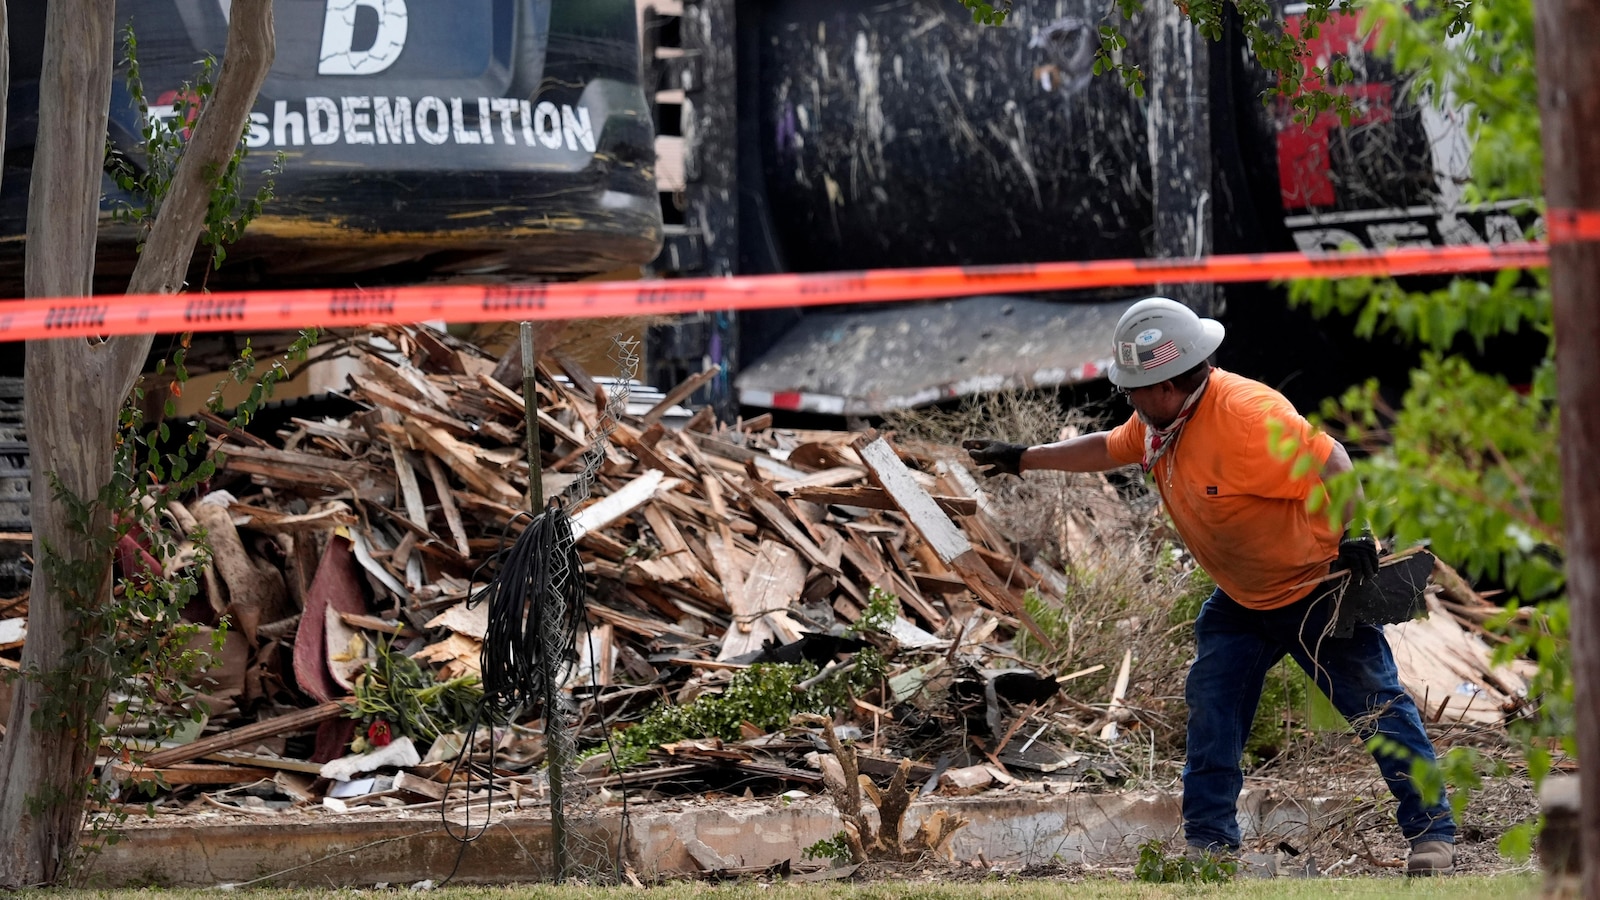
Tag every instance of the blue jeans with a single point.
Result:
(1236, 646)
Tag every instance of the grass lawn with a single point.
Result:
(1502, 887)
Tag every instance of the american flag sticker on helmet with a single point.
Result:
(1159, 356)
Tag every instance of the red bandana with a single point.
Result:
(1157, 441)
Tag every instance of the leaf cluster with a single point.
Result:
(396, 690)
(836, 848)
(988, 13)
(765, 696)
(1473, 59)
(882, 609)
(148, 178)
(1156, 867)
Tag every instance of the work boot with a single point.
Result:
(1431, 858)
(1198, 855)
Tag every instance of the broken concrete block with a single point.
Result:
(964, 781)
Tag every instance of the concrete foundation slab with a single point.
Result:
(1011, 829)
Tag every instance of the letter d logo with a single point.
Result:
(340, 57)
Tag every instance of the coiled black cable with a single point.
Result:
(535, 608)
(535, 612)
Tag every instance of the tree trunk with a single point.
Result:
(1569, 107)
(65, 403)
(74, 390)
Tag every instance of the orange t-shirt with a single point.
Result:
(1234, 500)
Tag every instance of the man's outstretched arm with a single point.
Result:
(1085, 453)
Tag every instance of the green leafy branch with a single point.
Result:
(149, 179)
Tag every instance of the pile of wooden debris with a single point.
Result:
(870, 576)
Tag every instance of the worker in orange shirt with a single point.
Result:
(1223, 452)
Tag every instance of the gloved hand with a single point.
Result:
(1359, 555)
(1001, 458)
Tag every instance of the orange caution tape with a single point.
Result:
(280, 310)
(1571, 226)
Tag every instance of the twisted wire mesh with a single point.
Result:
(574, 817)
(625, 354)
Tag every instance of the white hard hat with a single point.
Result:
(1158, 339)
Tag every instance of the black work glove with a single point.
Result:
(1001, 458)
(1359, 555)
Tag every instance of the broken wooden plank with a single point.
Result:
(941, 534)
(323, 473)
(874, 498)
(775, 581)
(771, 508)
(289, 723)
(273, 521)
(547, 422)
(408, 375)
(603, 512)
(330, 430)
(829, 477)
(680, 393)
(464, 462)
(631, 440)
(422, 787)
(409, 407)
(674, 546)
(716, 447)
(188, 774)
(257, 761)
(410, 489)
(447, 505)
(923, 514)
(575, 372)
(1116, 709)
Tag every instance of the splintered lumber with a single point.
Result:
(1119, 692)
(825, 478)
(382, 396)
(289, 723)
(189, 773)
(646, 454)
(923, 514)
(515, 401)
(410, 489)
(776, 513)
(775, 582)
(675, 548)
(305, 470)
(274, 522)
(679, 394)
(875, 498)
(447, 505)
(633, 495)
(941, 534)
(464, 462)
